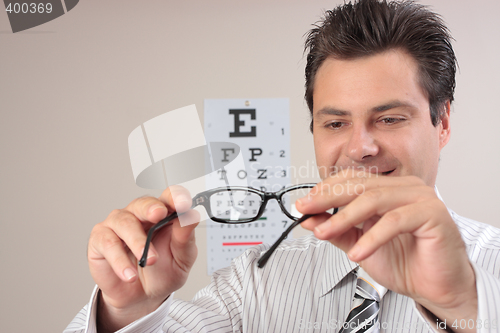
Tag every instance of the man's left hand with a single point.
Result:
(402, 235)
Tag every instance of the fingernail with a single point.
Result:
(182, 203)
(305, 200)
(151, 252)
(182, 199)
(323, 227)
(354, 252)
(154, 208)
(129, 274)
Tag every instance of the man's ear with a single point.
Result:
(444, 124)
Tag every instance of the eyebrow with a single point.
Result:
(330, 111)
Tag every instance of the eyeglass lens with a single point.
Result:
(289, 198)
(235, 205)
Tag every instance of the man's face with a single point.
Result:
(371, 113)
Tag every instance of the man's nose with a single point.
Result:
(361, 144)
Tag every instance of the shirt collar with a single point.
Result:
(438, 195)
(337, 266)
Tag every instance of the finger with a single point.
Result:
(407, 219)
(183, 240)
(107, 249)
(148, 209)
(182, 232)
(315, 220)
(131, 231)
(176, 198)
(347, 240)
(343, 242)
(328, 194)
(373, 203)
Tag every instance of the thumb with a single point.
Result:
(183, 243)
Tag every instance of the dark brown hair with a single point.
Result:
(368, 27)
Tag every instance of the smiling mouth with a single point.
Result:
(387, 172)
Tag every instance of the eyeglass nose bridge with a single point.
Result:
(270, 195)
(278, 197)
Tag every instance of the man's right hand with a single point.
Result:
(129, 292)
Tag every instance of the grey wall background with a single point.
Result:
(73, 89)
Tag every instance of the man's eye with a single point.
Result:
(390, 120)
(335, 124)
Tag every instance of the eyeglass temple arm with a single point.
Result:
(151, 231)
(263, 260)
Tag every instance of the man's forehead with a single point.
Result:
(374, 83)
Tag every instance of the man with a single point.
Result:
(379, 83)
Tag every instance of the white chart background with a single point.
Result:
(261, 128)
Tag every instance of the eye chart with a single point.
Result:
(261, 128)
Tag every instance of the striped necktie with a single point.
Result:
(363, 317)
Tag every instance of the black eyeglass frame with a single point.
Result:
(203, 199)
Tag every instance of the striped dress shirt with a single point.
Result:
(308, 286)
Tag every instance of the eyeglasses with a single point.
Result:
(236, 205)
